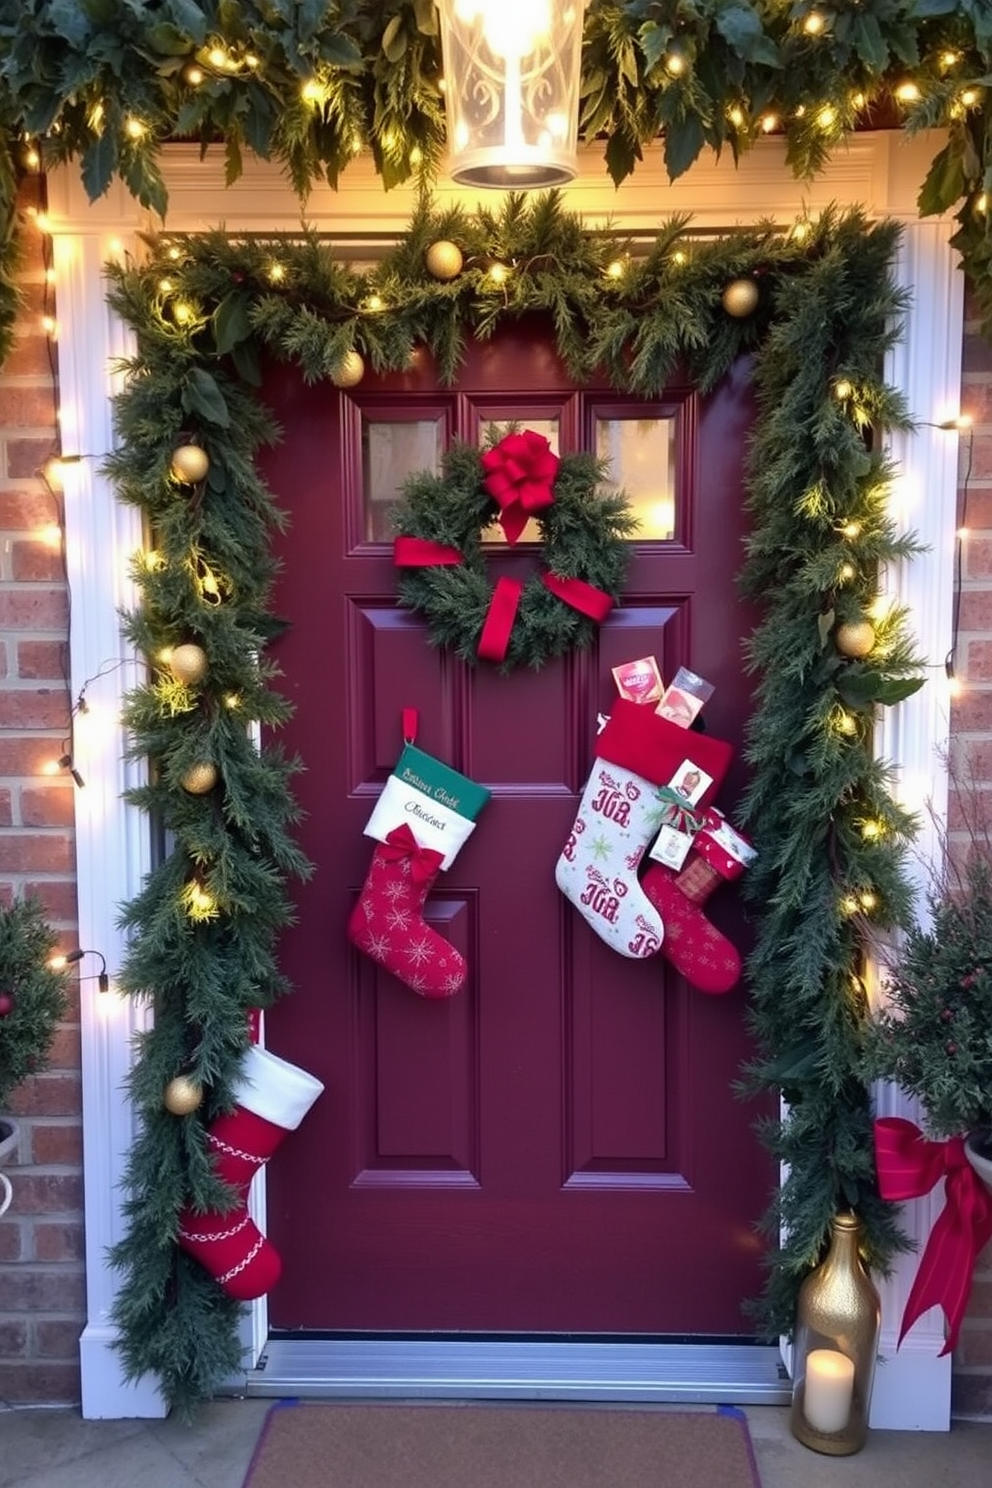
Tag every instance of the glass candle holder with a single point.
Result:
(836, 1343)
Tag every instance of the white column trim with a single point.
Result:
(880, 172)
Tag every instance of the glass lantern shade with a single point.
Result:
(512, 90)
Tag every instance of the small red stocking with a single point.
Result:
(696, 949)
(272, 1098)
(388, 924)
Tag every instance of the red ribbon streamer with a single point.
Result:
(585, 598)
(909, 1165)
(499, 620)
(420, 552)
(520, 473)
(400, 843)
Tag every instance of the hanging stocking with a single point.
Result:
(621, 810)
(697, 950)
(272, 1097)
(422, 819)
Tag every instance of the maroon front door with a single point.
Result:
(558, 1148)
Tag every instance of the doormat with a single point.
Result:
(501, 1446)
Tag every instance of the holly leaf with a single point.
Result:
(98, 164)
(621, 152)
(230, 321)
(825, 624)
(897, 689)
(201, 395)
(945, 182)
(683, 142)
(245, 358)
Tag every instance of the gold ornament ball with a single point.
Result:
(444, 260)
(740, 298)
(182, 1095)
(188, 663)
(190, 463)
(201, 778)
(350, 372)
(856, 638)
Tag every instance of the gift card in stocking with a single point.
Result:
(423, 817)
(637, 753)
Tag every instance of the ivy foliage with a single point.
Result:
(311, 83)
(205, 311)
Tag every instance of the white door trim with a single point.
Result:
(879, 172)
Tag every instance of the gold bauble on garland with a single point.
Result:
(182, 1096)
(190, 463)
(200, 778)
(444, 260)
(856, 638)
(350, 372)
(740, 298)
(188, 663)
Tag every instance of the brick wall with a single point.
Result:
(41, 1235)
(971, 729)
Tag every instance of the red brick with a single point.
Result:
(979, 509)
(28, 356)
(53, 1145)
(59, 1242)
(45, 609)
(977, 557)
(971, 713)
(33, 1289)
(976, 401)
(48, 806)
(63, 1051)
(36, 852)
(981, 456)
(26, 406)
(47, 1095)
(980, 1299)
(6, 812)
(971, 1394)
(26, 457)
(35, 708)
(976, 610)
(4, 669)
(27, 756)
(57, 896)
(978, 663)
(975, 1348)
(39, 1384)
(24, 511)
(57, 1338)
(36, 561)
(977, 354)
(10, 1240)
(13, 1337)
(42, 661)
(49, 1193)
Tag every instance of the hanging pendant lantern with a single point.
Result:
(512, 90)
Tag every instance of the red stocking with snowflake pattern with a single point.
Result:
(272, 1097)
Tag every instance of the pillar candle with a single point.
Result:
(829, 1388)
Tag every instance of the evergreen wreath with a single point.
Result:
(204, 928)
(583, 531)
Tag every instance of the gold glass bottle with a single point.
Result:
(837, 1323)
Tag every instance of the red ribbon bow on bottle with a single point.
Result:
(909, 1165)
(520, 473)
(401, 843)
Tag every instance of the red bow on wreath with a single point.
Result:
(520, 473)
(909, 1165)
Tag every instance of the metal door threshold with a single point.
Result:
(495, 1369)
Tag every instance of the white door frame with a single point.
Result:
(879, 172)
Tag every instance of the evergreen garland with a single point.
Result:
(34, 993)
(204, 927)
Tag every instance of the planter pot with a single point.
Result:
(8, 1146)
(981, 1164)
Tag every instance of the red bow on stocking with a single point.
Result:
(401, 843)
(520, 474)
(909, 1165)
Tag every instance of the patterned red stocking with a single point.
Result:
(387, 923)
(273, 1097)
(697, 950)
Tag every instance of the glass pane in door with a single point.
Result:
(392, 450)
(640, 453)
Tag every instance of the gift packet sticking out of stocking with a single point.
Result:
(422, 819)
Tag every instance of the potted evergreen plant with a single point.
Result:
(32, 1000)
(934, 1036)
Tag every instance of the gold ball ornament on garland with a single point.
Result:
(740, 298)
(444, 260)
(200, 778)
(190, 464)
(856, 638)
(188, 663)
(350, 372)
(182, 1096)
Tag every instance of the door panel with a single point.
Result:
(557, 1149)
